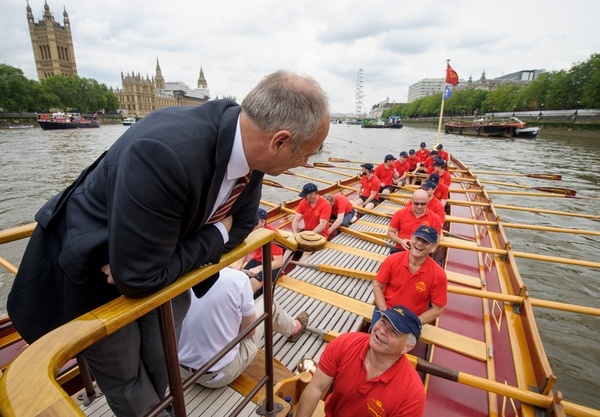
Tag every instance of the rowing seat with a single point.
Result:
(430, 334)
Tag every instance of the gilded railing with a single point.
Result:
(29, 388)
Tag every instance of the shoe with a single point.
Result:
(303, 319)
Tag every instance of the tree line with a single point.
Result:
(577, 88)
(84, 95)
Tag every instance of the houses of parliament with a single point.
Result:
(54, 54)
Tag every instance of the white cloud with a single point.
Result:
(238, 42)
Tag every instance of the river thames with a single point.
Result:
(35, 164)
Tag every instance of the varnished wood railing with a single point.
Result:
(29, 387)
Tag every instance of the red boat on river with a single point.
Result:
(57, 121)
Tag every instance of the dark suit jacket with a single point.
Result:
(142, 208)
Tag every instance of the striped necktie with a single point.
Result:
(222, 211)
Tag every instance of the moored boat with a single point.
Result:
(128, 121)
(487, 333)
(492, 128)
(527, 132)
(61, 120)
(20, 126)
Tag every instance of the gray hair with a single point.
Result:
(329, 198)
(286, 101)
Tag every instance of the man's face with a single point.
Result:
(420, 248)
(429, 191)
(312, 197)
(386, 340)
(419, 204)
(287, 157)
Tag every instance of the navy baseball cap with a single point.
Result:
(307, 189)
(426, 232)
(429, 185)
(368, 167)
(411, 152)
(439, 162)
(403, 320)
(440, 146)
(433, 152)
(389, 157)
(404, 154)
(262, 214)
(434, 177)
(423, 144)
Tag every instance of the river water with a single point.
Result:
(35, 164)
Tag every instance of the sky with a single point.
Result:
(238, 42)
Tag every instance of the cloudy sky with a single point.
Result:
(237, 42)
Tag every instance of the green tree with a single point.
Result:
(14, 89)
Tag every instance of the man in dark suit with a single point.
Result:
(143, 215)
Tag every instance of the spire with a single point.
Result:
(66, 16)
(159, 82)
(47, 14)
(202, 80)
(29, 13)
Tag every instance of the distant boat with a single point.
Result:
(20, 126)
(369, 123)
(491, 128)
(527, 132)
(394, 122)
(128, 121)
(67, 121)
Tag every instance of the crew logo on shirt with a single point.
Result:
(421, 286)
(375, 408)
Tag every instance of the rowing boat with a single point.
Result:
(484, 356)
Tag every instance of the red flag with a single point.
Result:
(451, 76)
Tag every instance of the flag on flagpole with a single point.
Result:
(447, 93)
(451, 76)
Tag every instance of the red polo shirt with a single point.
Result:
(385, 174)
(422, 154)
(401, 167)
(313, 215)
(413, 291)
(369, 185)
(405, 222)
(341, 205)
(441, 192)
(398, 392)
(275, 249)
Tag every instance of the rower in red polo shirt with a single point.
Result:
(427, 165)
(385, 173)
(414, 278)
(369, 375)
(441, 168)
(433, 204)
(342, 211)
(314, 210)
(441, 192)
(423, 152)
(442, 153)
(414, 163)
(408, 219)
(402, 168)
(368, 189)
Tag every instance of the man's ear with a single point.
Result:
(279, 140)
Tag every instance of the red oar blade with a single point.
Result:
(545, 176)
(557, 190)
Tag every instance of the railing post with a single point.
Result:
(90, 393)
(269, 405)
(169, 342)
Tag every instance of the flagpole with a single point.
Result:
(437, 138)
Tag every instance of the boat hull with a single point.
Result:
(503, 131)
(49, 125)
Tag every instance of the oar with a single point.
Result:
(513, 174)
(343, 174)
(514, 299)
(277, 185)
(288, 172)
(332, 159)
(556, 190)
(519, 193)
(326, 165)
(519, 208)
